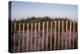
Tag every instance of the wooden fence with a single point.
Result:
(52, 35)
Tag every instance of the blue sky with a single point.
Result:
(29, 9)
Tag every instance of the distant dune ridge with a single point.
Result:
(40, 19)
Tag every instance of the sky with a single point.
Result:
(28, 9)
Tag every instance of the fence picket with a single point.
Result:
(27, 36)
(55, 36)
(14, 34)
(66, 45)
(73, 33)
(31, 36)
(43, 36)
(51, 36)
(62, 34)
(70, 35)
(39, 36)
(47, 35)
(19, 37)
(58, 34)
(23, 38)
(35, 36)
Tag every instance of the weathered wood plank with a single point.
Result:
(73, 33)
(39, 36)
(31, 37)
(47, 35)
(35, 36)
(66, 43)
(19, 37)
(43, 36)
(62, 35)
(55, 35)
(23, 38)
(27, 36)
(70, 35)
(14, 33)
(58, 34)
(51, 36)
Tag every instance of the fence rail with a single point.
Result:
(46, 35)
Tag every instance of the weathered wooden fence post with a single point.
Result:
(62, 34)
(43, 36)
(51, 36)
(39, 36)
(14, 34)
(31, 36)
(66, 43)
(47, 35)
(35, 37)
(73, 33)
(23, 38)
(27, 36)
(58, 34)
(55, 36)
(70, 35)
(19, 37)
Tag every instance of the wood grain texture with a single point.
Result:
(62, 35)
(55, 35)
(51, 36)
(70, 35)
(14, 34)
(66, 43)
(39, 36)
(73, 33)
(27, 36)
(35, 36)
(43, 36)
(23, 38)
(31, 37)
(58, 34)
(47, 35)
(19, 37)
